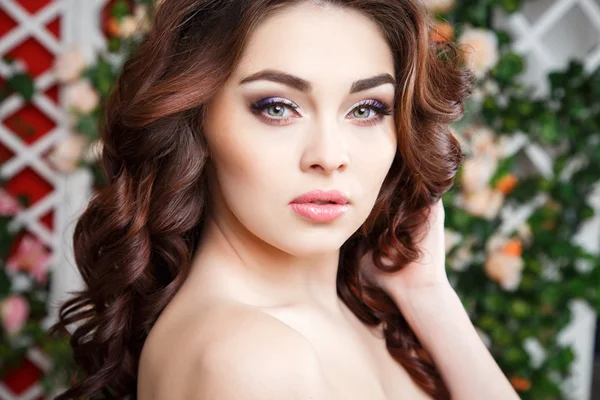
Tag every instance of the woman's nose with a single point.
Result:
(326, 150)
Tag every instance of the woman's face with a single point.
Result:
(309, 124)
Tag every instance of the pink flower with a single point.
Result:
(66, 154)
(81, 97)
(8, 205)
(69, 65)
(31, 256)
(14, 312)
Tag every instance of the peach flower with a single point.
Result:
(439, 6)
(112, 27)
(14, 312)
(141, 17)
(485, 203)
(441, 32)
(507, 183)
(504, 263)
(129, 27)
(31, 256)
(81, 97)
(69, 65)
(480, 50)
(66, 154)
(477, 172)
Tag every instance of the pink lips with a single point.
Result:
(310, 205)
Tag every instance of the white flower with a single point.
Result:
(477, 172)
(480, 50)
(81, 97)
(461, 259)
(485, 203)
(67, 153)
(505, 269)
(69, 65)
(439, 6)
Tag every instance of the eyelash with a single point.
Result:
(382, 109)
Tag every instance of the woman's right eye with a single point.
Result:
(275, 110)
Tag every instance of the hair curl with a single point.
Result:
(135, 240)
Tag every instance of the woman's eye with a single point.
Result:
(279, 111)
(362, 112)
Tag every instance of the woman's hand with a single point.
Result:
(428, 272)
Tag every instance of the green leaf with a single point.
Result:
(509, 66)
(22, 84)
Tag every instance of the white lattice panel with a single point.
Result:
(549, 33)
(78, 23)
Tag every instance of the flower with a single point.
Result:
(520, 384)
(8, 205)
(14, 312)
(31, 256)
(129, 26)
(82, 97)
(66, 154)
(112, 27)
(485, 203)
(507, 183)
(462, 258)
(477, 172)
(480, 50)
(439, 6)
(483, 140)
(504, 263)
(141, 17)
(69, 65)
(441, 32)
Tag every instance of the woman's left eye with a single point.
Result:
(273, 110)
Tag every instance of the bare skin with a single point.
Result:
(259, 316)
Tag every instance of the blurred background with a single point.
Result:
(523, 221)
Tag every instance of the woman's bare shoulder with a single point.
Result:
(227, 350)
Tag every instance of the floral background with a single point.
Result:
(510, 219)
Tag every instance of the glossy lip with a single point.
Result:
(319, 195)
(306, 206)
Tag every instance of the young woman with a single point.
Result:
(273, 227)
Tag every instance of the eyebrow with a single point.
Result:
(305, 86)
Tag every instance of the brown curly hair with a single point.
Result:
(135, 240)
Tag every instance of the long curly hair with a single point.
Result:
(135, 241)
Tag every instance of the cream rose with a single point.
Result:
(485, 203)
(480, 50)
(66, 154)
(82, 97)
(69, 65)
